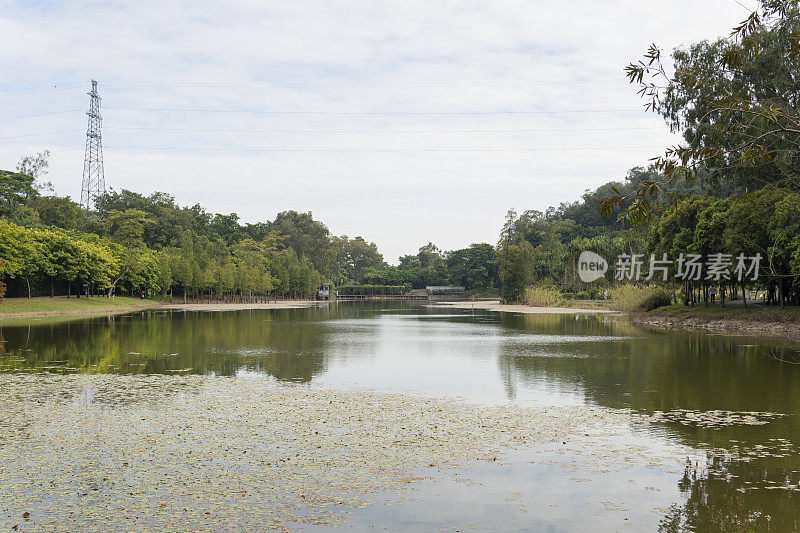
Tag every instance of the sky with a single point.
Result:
(405, 122)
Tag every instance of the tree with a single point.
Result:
(350, 259)
(515, 270)
(58, 211)
(474, 267)
(515, 259)
(361, 255)
(735, 101)
(21, 252)
(166, 267)
(126, 229)
(306, 237)
(15, 189)
(227, 227)
(35, 166)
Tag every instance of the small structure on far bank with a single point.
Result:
(445, 292)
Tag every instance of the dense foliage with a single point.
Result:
(734, 100)
(150, 244)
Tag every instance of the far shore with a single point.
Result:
(495, 305)
(755, 321)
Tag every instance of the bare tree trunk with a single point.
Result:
(114, 284)
(28, 282)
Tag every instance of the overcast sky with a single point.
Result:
(404, 122)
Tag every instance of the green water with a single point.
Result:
(493, 359)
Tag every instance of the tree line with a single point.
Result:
(138, 244)
(134, 244)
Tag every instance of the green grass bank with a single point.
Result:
(21, 311)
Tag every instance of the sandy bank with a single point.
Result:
(93, 307)
(495, 305)
(285, 304)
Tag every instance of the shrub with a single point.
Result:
(658, 297)
(633, 298)
(543, 296)
(588, 294)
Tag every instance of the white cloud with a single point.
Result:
(256, 56)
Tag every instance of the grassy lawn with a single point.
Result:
(755, 312)
(15, 306)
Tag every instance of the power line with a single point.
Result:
(744, 6)
(267, 84)
(323, 150)
(51, 151)
(217, 149)
(43, 114)
(551, 130)
(382, 113)
(39, 134)
(338, 132)
(44, 88)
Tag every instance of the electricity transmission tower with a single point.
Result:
(93, 186)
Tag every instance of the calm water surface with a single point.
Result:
(492, 358)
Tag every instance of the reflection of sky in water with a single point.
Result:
(432, 355)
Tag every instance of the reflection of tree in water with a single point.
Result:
(671, 371)
(505, 365)
(650, 372)
(713, 502)
(289, 345)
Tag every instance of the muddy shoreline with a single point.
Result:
(727, 326)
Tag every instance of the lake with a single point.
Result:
(498, 421)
